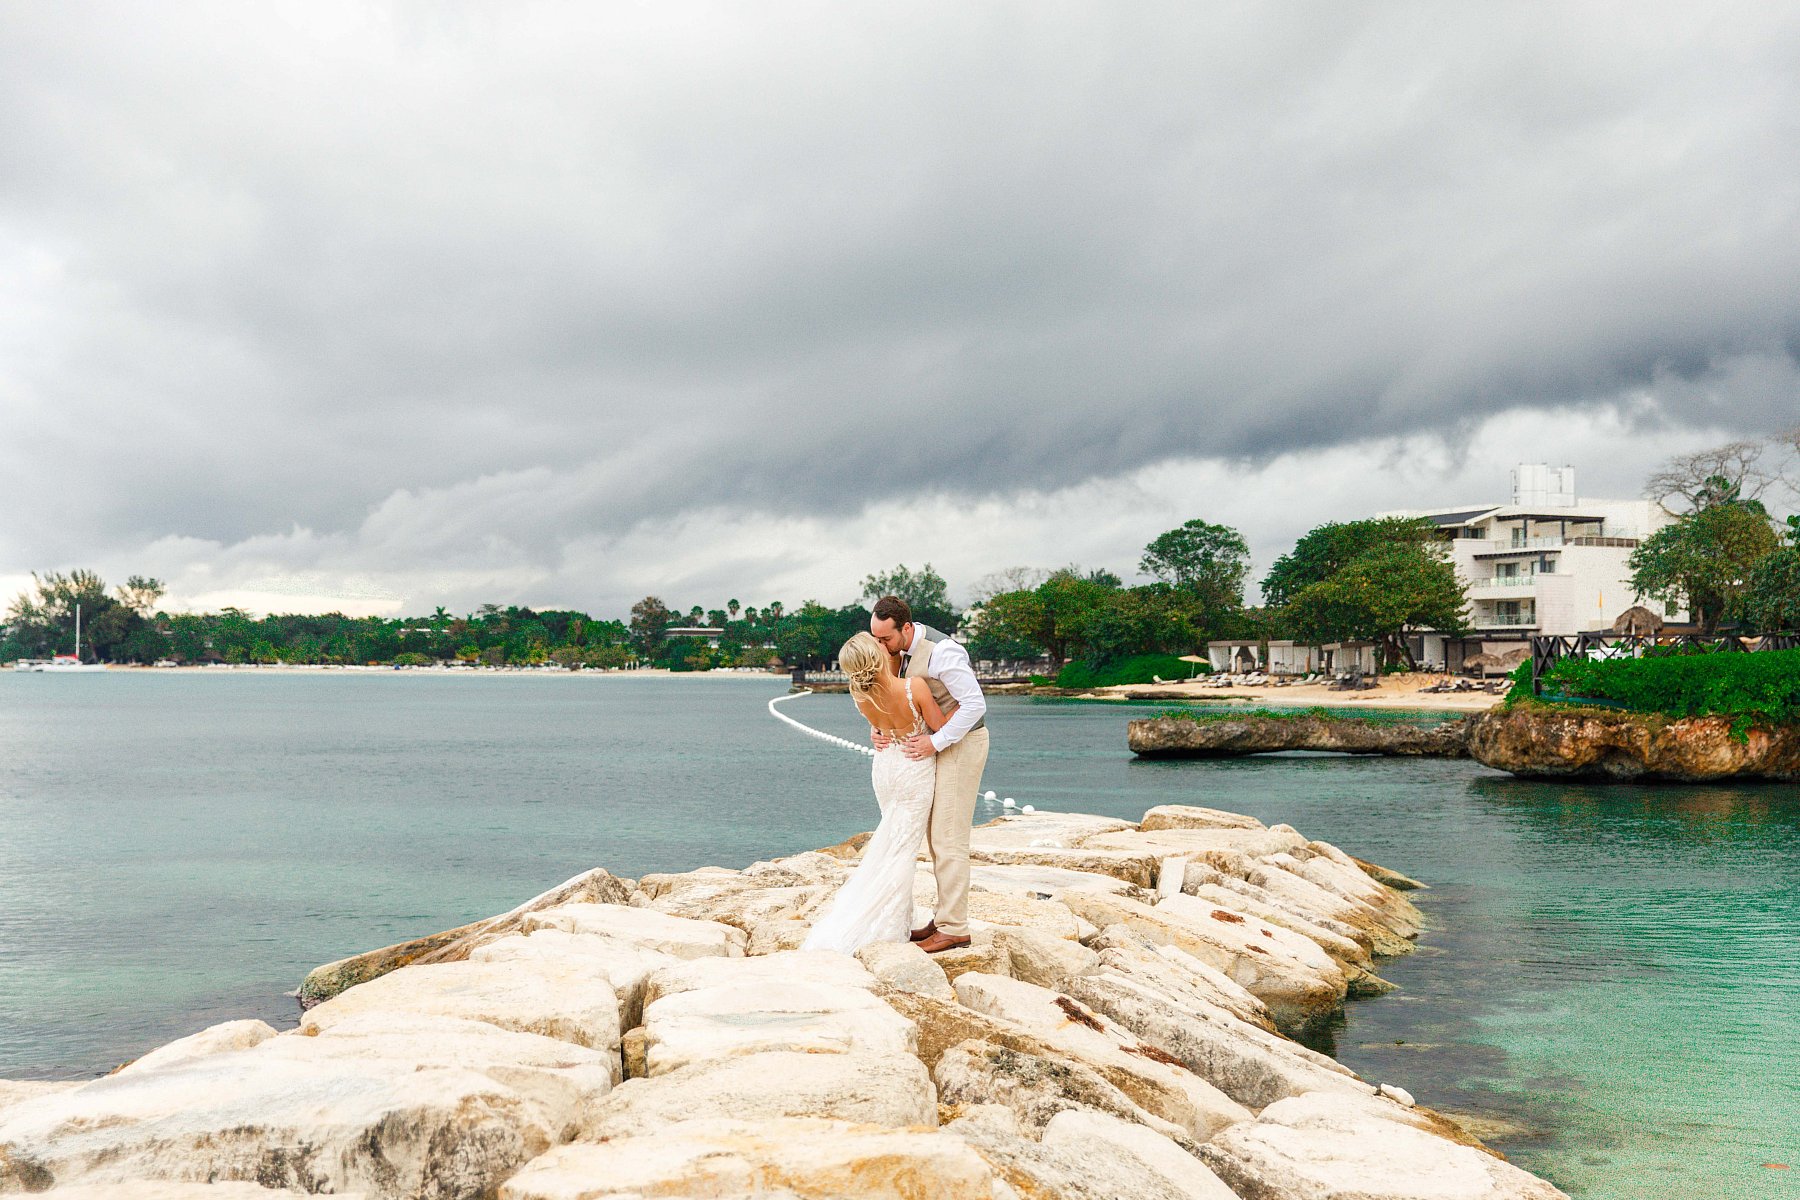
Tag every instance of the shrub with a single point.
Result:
(1139, 668)
(1752, 689)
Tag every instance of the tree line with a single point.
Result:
(1724, 559)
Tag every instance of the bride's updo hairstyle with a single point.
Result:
(861, 658)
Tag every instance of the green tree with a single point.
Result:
(1327, 549)
(1378, 596)
(649, 618)
(1704, 561)
(1205, 565)
(1772, 594)
(924, 591)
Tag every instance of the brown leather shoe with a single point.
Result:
(919, 935)
(937, 943)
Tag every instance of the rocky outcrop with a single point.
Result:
(1235, 736)
(1551, 741)
(1115, 1029)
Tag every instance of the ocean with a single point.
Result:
(1609, 978)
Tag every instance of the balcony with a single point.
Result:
(1504, 620)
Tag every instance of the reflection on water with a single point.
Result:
(1609, 977)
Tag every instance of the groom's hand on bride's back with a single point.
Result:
(920, 745)
(879, 739)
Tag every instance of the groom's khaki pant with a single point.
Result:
(947, 839)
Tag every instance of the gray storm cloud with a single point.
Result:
(481, 287)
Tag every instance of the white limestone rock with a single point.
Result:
(168, 1189)
(826, 967)
(646, 927)
(1107, 1148)
(1194, 842)
(1346, 950)
(1038, 882)
(1174, 970)
(1247, 1063)
(1314, 902)
(1042, 830)
(559, 1077)
(814, 1159)
(1190, 816)
(1042, 958)
(1298, 981)
(757, 1015)
(627, 967)
(1152, 1079)
(1034, 1083)
(568, 999)
(1072, 1168)
(392, 1112)
(906, 968)
(1303, 1149)
(215, 1039)
(873, 1089)
(17, 1091)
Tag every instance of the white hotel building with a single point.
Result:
(1547, 563)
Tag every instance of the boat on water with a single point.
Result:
(62, 664)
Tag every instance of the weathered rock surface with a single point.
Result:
(906, 968)
(570, 999)
(415, 1107)
(1548, 741)
(1101, 1145)
(216, 1039)
(17, 1091)
(1190, 816)
(1303, 1150)
(873, 1089)
(757, 1015)
(681, 937)
(1036, 1087)
(597, 886)
(1299, 989)
(1196, 842)
(819, 967)
(780, 1159)
(1235, 736)
(1072, 1167)
(626, 967)
(162, 1189)
(1153, 1080)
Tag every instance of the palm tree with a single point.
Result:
(731, 606)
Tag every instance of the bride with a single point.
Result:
(875, 903)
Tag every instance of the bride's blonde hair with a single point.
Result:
(861, 658)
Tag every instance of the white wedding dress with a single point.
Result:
(875, 903)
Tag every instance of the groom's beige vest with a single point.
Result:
(921, 662)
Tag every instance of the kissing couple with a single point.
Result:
(928, 723)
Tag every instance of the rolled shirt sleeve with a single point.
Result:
(950, 665)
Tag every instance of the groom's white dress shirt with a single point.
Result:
(950, 666)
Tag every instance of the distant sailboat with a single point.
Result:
(62, 664)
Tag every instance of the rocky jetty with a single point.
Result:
(1122, 1025)
(1230, 736)
(1555, 741)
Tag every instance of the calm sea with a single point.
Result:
(1611, 971)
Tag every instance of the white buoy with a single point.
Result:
(987, 795)
(1028, 809)
(1007, 803)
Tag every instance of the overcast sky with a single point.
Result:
(379, 307)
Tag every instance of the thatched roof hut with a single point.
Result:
(1637, 621)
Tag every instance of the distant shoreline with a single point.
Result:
(437, 672)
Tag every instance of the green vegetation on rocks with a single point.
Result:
(1753, 689)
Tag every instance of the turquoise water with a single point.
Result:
(1612, 971)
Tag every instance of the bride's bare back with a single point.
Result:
(884, 706)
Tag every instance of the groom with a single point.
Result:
(961, 750)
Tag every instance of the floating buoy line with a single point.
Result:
(869, 751)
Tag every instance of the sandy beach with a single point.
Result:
(1396, 691)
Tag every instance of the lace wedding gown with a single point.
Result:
(875, 903)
